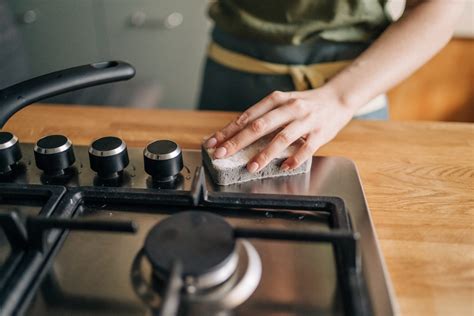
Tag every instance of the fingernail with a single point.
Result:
(220, 152)
(285, 167)
(252, 167)
(211, 142)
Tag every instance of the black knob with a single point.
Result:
(163, 160)
(54, 154)
(108, 156)
(10, 152)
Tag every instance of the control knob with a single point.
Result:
(54, 154)
(10, 152)
(163, 160)
(108, 156)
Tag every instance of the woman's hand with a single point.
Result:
(314, 115)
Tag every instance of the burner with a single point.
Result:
(217, 271)
(202, 242)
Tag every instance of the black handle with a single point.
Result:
(16, 97)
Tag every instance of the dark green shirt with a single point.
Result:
(294, 21)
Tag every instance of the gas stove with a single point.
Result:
(111, 230)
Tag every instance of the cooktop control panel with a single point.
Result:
(107, 161)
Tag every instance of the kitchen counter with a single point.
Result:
(418, 178)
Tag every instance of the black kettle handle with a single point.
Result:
(16, 97)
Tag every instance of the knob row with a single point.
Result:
(108, 156)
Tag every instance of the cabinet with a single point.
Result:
(57, 33)
(164, 40)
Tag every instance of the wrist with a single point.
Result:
(348, 101)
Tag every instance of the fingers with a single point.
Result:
(306, 151)
(278, 144)
(260, 108)
(229, 130)
(262, 126)
(270, 102)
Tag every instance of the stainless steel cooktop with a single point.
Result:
(104, 273)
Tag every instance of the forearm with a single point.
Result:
(405, 46)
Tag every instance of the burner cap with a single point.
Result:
(203, 242)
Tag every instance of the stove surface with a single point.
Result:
(107, 273)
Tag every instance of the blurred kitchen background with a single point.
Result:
(166, 41)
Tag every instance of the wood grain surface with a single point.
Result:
(418, 178)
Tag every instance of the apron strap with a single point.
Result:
(304, 76)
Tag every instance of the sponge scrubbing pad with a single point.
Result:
(233, 169)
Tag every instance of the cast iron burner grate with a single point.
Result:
(13, 199)
(174, 271)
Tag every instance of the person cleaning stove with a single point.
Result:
(305, 68)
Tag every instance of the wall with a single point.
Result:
(442, 90)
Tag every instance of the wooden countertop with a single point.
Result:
(418, 178)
